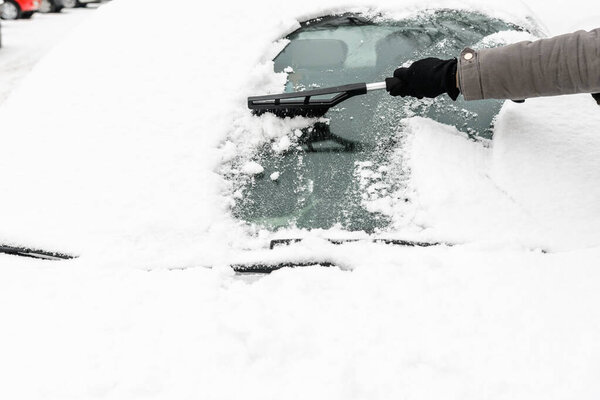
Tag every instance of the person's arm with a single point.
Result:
(564, 64)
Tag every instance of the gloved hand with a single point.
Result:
(429, 77)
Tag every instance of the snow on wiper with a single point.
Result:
(267, 268)
(34, 253)
(267, 263)
(394, 242)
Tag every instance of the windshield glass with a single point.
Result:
(329, 171)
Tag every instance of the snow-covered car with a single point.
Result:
(145, 182)
(14, 9)
(348, 171)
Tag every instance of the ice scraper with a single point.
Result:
(309, 103)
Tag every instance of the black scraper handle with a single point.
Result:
(309, 103)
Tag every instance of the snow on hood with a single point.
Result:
(111, 147)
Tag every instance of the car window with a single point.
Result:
(324, 178)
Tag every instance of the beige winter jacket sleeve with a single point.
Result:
(564, 64)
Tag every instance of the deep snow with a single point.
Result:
(24, 43)
(123, 167)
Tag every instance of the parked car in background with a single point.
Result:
(49, 6)
(1, 2)
(78, 3)
(14, 9)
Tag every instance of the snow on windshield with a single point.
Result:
(342, 170)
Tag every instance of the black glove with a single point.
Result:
(429, 77)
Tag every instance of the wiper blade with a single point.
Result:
(34, 253)
(266, 267)
(393, 242)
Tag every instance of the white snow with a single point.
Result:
(282, 145)
(24, 42)
(452, 195)
(138, 119)
(503, 38)
(547, 159)
(252, 168)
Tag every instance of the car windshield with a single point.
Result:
(326, 178)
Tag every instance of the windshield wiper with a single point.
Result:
(266, 267)
(34, 253)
